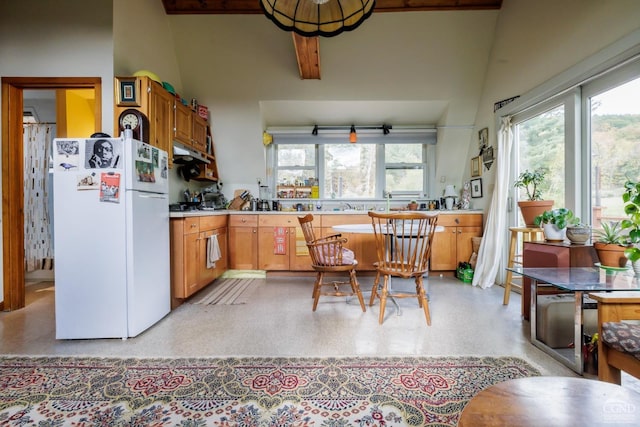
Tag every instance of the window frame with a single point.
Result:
(380, 174)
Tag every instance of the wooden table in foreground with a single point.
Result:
(552, 401)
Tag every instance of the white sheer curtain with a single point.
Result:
(38, 250)
(490, 253)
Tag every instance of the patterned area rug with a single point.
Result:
(227, 291)
(332, 392)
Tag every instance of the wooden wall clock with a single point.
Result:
(138, 122)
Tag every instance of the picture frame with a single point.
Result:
(476, 188)
(488, 157)
(127, 92)
(476, 168)
(483, 139)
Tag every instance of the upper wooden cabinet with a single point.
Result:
(168, 119)
(183, 123)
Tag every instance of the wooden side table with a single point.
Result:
(552, 401)
(527, 235)
(552, 254)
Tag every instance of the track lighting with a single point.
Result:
(353, 135)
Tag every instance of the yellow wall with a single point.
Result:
(80, 112)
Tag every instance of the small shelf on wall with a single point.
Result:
(294, 191)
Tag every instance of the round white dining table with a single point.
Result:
(365, 228)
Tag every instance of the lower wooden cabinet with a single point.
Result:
(189, 272)
(292, 255)
(243, 242)
(453, 245)
(363, 245)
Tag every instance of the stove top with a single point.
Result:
(192, 206)
(184, 206)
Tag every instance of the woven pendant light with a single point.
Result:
(311, 18)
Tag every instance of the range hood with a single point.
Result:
(183, 154)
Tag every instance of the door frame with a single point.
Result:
(13, 173)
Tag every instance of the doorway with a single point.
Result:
(13, 173)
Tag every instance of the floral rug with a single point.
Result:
(327, 392)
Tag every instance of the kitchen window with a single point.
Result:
(367, 169)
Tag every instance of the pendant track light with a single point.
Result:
(353, 137)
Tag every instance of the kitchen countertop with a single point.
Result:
(189, 214)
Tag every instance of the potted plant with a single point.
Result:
(631, 199)
(533, 205)
(578, 234)
(554, 223)
(413, 205)
(611, 244)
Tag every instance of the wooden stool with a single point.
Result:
(528, 235)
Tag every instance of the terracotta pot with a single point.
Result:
(610, 255)
(412, 206)
(530, 209)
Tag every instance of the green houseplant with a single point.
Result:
(631, 199)
(533, 205)
(610, 244)
(555, 222)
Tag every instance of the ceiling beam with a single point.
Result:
(194, 7)
(307, 55)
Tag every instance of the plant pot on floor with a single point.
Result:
(554, 234)
(530, 209)
(610, 255)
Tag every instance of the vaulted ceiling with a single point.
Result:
(308, 48)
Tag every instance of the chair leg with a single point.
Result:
(355, 287)
(423, 301)
(512, 254)
(383, 298)
(374, 289)
(316, 290)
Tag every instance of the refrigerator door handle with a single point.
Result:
(154, 196)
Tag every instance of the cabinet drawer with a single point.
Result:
(466, 220)
(278, 220)
(191, 225)
(213, 221)
(243, 220)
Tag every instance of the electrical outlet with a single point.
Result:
(443, 179)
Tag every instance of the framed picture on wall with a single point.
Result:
(483, 138)
(127, 93)
(476, 168)
(476, 188)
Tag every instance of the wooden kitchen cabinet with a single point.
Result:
(157, 104)
(183, 125)
(295, 256)
(243, 242)
(199, 133)
(363, 245)
(189, 272)
(453, 245)
(170, 120)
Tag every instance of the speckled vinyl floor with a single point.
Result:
(277, 320)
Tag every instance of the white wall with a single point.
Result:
(59, 38)
(537, 40)
(239, 66)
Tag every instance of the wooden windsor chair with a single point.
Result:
(403, 245)
(329, 256)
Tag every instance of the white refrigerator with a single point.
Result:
(111, 237)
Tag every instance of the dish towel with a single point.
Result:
(213, 251)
